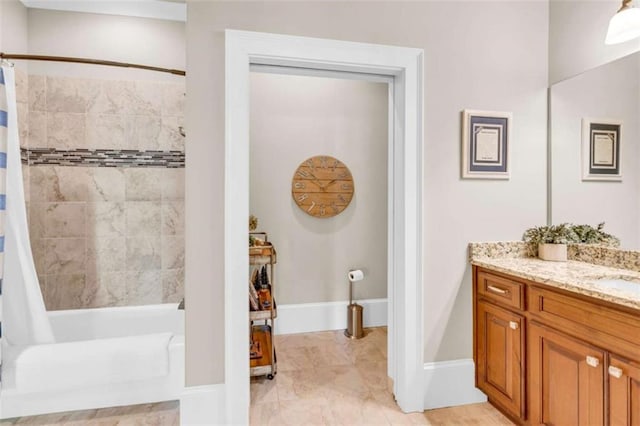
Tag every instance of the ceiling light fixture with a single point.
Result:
(625, 24)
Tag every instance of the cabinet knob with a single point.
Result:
(513, 325)
(592, 361)
(615, 371)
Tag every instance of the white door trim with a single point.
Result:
(243, 48)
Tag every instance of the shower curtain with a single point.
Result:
(24, 316)
(3, 170)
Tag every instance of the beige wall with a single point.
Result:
(13, 27)
(108, 37)
(297, 117)
(481, 55)
(577, 30)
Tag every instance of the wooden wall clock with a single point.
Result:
(322, 186)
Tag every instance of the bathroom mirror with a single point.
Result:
(607, 93)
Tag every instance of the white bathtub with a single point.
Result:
(102, 358)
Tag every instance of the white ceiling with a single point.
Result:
(172, 10)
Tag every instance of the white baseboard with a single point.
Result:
(450, 383)
(310, 317)
(203, 405)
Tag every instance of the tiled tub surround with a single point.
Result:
(105, 190)
(72, 113)
(107, 236)
(578, 276)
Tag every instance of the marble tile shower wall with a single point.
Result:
(105, 236)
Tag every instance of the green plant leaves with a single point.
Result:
(567, 233)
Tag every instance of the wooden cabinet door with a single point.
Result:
(500, 364)
(566, 379)
(624, 392)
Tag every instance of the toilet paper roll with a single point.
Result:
(356, 275)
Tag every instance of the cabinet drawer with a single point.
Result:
(595, 323)
(500, 290)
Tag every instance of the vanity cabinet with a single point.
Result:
(549, 356)
(566, 379)
(624, 391)
(500, 348)
(500, 341)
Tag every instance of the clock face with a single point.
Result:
(322, 186)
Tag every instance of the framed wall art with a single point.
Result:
(485, 144)
(601, 149)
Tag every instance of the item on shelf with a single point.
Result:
(254, 300)
(264, 295)
(264, 278)
(255, 279)
(259, 246)
(261, 334)
(255, 350)
(253, 223)
(262, 259)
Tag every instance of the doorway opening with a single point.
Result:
(319, 155)
(404, 65)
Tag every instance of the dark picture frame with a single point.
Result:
(601, 150)
(485, 144)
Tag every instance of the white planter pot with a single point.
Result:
(553, 252)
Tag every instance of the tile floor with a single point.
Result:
(323, 379)
(326, 379)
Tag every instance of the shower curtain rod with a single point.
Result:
(88, 61)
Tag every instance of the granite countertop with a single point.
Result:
(575, 276)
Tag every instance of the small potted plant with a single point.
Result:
(550, 242)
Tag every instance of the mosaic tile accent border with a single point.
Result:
(102, 158)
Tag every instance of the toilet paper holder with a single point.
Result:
(355, 328)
